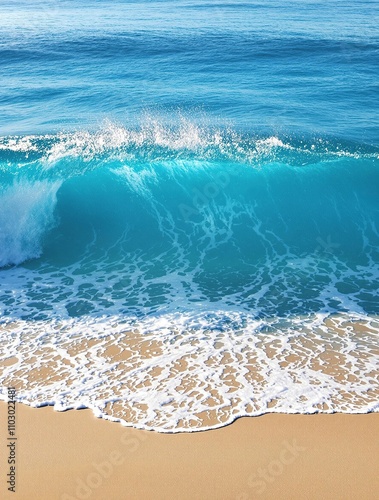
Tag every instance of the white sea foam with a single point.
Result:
(26, 214)
(18, 144)
(188, 372)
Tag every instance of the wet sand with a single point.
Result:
(73, 455)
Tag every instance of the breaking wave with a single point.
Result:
(175, 278)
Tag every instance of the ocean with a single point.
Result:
(189, 208)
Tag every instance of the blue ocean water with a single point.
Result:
(206, 176)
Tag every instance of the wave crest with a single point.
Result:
(154, 139)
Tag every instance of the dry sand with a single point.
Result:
(73, 455)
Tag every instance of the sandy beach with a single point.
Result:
(73, 455)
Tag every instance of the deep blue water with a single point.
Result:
(286, 67)
(189, 157)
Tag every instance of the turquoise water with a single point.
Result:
(205, 174)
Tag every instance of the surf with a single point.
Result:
(136, 259)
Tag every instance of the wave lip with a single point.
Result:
(153, 139)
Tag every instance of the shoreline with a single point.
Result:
(195, 378)
(74, 455)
